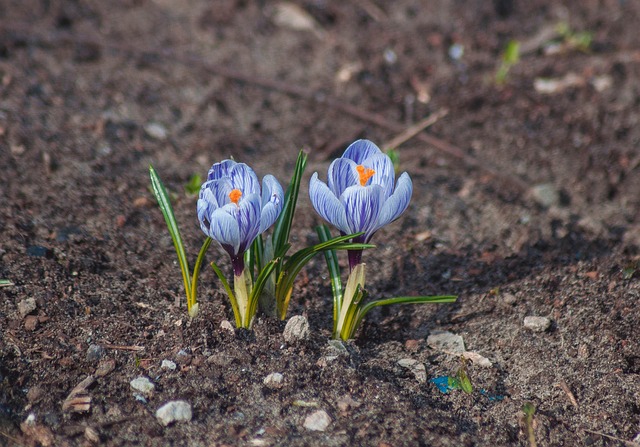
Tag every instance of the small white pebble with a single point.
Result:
(168, 364)
(143, 385)
(317, 421)
(156, 131)
(537, 324)
(273, 380)
(174, 411)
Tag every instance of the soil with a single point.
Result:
(526, 203)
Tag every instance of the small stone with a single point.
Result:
(273, 380)
(95, 353)
(26, 306)
(105, 367)
(184, 357)
(34, 394)
(477, 359)
(446, 341)
(545, 194)
(168, 365)
(174, 411)
(156, 131)
(226, 326)
(509, 299)
(345, 403)
(537, 324)
(416, 367)
(31, 322)
(143, 385)
(317, 421)
(297, 329)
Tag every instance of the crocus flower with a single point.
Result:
(233, 210)
(361, 194)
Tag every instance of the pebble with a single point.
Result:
(95, 353)
(545, 194)
(143, 385)
(509, 299)
(345, 403)
(297, 329)
(174, 411)
(317, 421)
(168, 364)
(226, 326)
(273, 380)
(105, 367)
(417, 368)
(446, 341)
(477, 359)
(31, 322)
(537, 324)
(26, 306)
(184, 357)
(156, 131)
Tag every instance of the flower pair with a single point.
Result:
(360, 196)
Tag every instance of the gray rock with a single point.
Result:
(95, 353)
(26, 306)
(142, 385)
(416, 367)
(446, 341)
(273, 380)
(317, 421)
(297, 329)
(537, 324)
(174, 411)
(168, 365)
(545, 194)
(156, 131)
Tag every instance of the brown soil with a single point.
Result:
(83, 83)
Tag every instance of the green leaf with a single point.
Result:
(192, 298)
(167, 211)
(230, 294)
(291, 268)
(262, 279)
(282, 227)
(464, 381)
(5, 283)
(331, 258)
(438, 299)
(194, 184)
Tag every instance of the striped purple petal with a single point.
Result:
(362, 205)
(327, 204)
(272, 202)
(342, 174)
(397, 203)
(360, 150)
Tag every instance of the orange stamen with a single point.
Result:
(365, 174)
(235, 195)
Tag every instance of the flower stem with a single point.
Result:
(355, 258)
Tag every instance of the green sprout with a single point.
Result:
(192, 187)
(580, 40)
(529, 410)
(510, 57)
(5, 283)
(394, 155)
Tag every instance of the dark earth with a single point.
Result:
(526, 203)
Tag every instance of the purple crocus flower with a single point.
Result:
(233, 210)
(361, 194)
